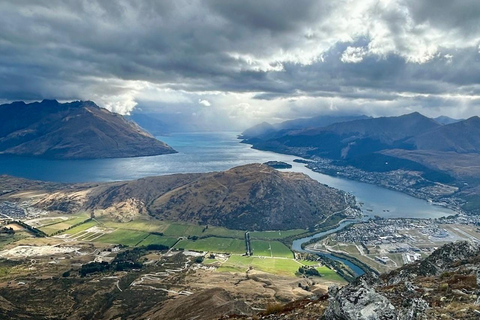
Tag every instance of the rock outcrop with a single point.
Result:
(359, 300)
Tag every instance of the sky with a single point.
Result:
(231, 64)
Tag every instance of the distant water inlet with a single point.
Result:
(206, 152)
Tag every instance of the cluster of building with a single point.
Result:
(380, 231)
(11, 210)
(390, 231)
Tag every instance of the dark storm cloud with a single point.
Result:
(398, 53)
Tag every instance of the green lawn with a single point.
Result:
(60, 224)
(125, 237)
(178, 230)
(55, 227)
(223, 232)
(214, 245)
(156, 239)
(173, 229)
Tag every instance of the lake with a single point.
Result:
(206, 152)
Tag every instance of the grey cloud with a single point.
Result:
(73, 49)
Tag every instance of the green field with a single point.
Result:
(329, 274)
(261, 248)
(138, 225)
(270, 249)
(223, 232)
(284, 267)
(272, 235)
(156, 239)
(280, 250)
(59, 224)
(125, 237)
(82, 227)
(55, 227)
(172, 229)
(214, 245)
(216, 239)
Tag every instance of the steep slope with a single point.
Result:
(76, 130)
(316, 122)
(261, 129)
(209, 304)
(266, 131)
(353, 138)
(461, 137)
(151, 123)
(250, 197)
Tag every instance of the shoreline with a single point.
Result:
(412, 193)
(308, 162)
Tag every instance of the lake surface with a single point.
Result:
(206, 152)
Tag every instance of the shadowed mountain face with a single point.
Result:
(352, 138)
(76, 130)
(265, 130)
(250, 197)
(442, 150)
(344, 140)
(446, 120)
(461, 137)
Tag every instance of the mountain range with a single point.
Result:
(442, 150)
(75, 130)
(250, 197)
(348, 139)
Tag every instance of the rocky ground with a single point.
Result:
(446, 285)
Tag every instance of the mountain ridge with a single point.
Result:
(74, 130)
(249, 197)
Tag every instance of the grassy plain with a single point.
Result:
(214, 244)
(156, 239)
(128, 238)
(82, 227)
(270, 249)
(279, 266)
(273, 235)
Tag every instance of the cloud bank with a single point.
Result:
(245, 61)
